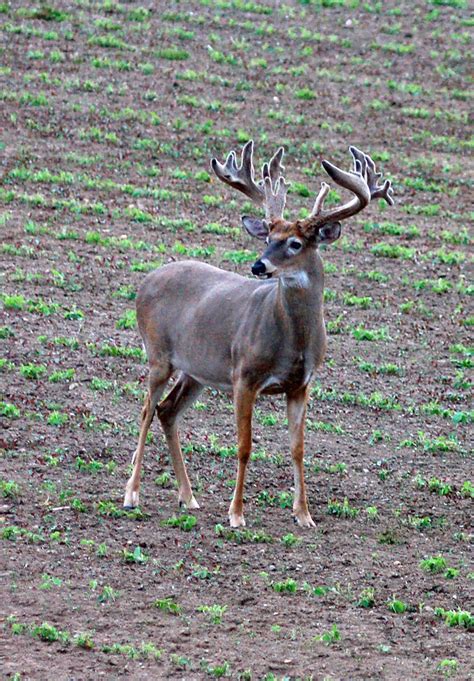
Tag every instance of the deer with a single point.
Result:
(246, 336)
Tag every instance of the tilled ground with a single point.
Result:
(110, 113)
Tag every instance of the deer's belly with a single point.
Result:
(285, 377)
(213, 383)
(286, 382)
(214, 375)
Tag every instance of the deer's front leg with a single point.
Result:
(296, 406)
(244, 399)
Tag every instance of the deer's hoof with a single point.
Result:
(192, 504)
(131, 499)
(304, 519)
(236, 520)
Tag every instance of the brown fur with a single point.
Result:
(241, 335)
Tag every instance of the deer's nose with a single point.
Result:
(259, 268)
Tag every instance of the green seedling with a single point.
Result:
(183, 522)
(287, 586)
(333, 635)
(168, 605)
(214, 612)
(397, 606)
(135, 556)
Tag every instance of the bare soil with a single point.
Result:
(89, 95)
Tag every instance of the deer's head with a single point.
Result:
(289, 242)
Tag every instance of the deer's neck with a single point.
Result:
(300, 295)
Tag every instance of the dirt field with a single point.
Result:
(110, 113)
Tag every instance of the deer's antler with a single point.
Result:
(376, 192)
(361, 181)
(270, 191)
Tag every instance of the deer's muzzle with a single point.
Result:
(263, 268)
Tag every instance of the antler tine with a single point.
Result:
(241, 178)
(246, 162)
(385, 192)
(378, 192)
(318, 204)
(275, 201)
(275, 167)
(360, 162)
(275, 186)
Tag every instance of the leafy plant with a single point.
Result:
(243, 536)
(290, 540)
(215, 612)
(456, 618)
(287, 586)
(135, 556)
(9, 489)
(331, 636)
(9, 410)
(433, 564)
(342, 509)
(33, 371)
(366, 598)
(49, 633)
(168, 605)
(183, 522)
(397, 606)
(84, 640)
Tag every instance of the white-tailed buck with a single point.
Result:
(246, 336)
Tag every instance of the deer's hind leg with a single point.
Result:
(183, 394)
(158, 378)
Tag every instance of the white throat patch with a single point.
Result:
(296, 279)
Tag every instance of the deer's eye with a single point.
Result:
(295, 245)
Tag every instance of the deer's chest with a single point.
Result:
(289, 375)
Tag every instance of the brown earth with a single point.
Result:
(88, 94)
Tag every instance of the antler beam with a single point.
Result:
(361, 180)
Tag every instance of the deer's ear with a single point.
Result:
(329, 232)
(255, 227)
